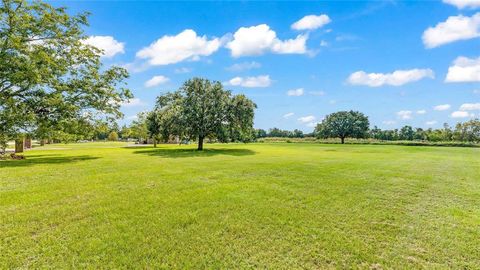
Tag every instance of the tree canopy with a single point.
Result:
(203, 109)
(343, 124)
(48, 75)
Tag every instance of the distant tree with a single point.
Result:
(298, 133)
(406, 133)
(468, 131)
(203, 109)
(113, 136)
(260, 133)
(138, 127)
(125, 132)
(344, 124)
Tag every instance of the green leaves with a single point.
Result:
(203, 109)
(48, 74)
(344, 124)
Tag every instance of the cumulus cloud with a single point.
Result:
(173, 49)
(182, 70)
(288, 115)
(431, 123)
(442, 107)
(421, 112)
(464, 70)
(244, 66)
(307, 119)
(311, 22)
(258, 81)
(404, 115)
(317, 93)
(470, 107)
(109, 46)
(134, 102)
(256, 40)
(396, 78)
(156, 80)
(461, 114)
(296, 92)
(389, 122)
(461, 4)
(453, 29)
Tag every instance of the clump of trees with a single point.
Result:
(201, 109)
(276, 132)
(463, 132)
(52, 83)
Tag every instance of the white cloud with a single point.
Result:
(134, 102)
(404, 115)
(470, 107)
(464, 70)
(311, 22)
(182, 70)
(156, 80)
(288, 115)
(317, 93)
(107, 44)
(296, 92)
(258, 81)
(256, 40)
(389, 122)
(421, 112)
(476, 91)
(396, 78)
(173, 49)
(461, 4)
(323, 43)
(442, 107)
(460, 114)
(244, 66)
(306, 119)
(453, 29)
(132, 117)
(312, 124)
(431, 123)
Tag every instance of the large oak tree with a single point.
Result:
(204, 109)
(344, 124)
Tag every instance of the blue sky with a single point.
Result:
(401, 63)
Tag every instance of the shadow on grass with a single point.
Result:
(44, 159)
(183, 153)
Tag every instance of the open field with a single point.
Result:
(100, 205)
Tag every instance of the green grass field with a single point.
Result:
(278, 206)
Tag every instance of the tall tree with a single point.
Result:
(344, 124)
(48, 74)
(202, 108)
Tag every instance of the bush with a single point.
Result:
(113, 136)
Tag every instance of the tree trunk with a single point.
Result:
(154, 142)
(343, 140)
(19, 146)
(200, 143)
(42, 142)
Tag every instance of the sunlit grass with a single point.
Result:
(273, 206)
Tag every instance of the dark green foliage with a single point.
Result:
(344, 124)
(202, 109)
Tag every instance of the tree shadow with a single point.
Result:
(43, 159)
(183, 153)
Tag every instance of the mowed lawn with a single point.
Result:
(277, 206)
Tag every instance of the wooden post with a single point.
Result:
(19, 145)
(28, 143)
